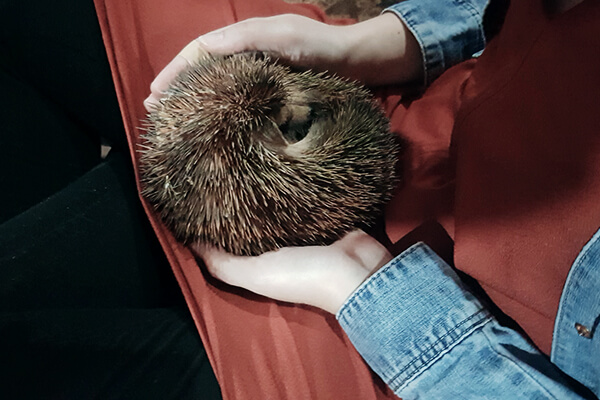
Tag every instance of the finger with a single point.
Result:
(231, 269)
(190, 54)
(150, 103)
(184, 59)
(269, 34)
(268, 274)
(235, 38)
(193, 52)
(275, 35)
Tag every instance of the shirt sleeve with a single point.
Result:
(448, 31)
(427, 336)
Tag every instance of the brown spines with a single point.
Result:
(247, 155)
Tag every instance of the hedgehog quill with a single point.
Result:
(245, 154)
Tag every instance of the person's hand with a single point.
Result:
(321, 276)
(377, 51)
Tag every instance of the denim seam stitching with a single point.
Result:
(475, 15)
(557, 334)
(407, 16)
(429, 62)
(462, 334)
(368, 284)
(517, 366)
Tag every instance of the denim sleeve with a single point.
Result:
(448, 31)
(424, 333)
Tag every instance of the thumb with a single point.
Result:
(191, 53)
(231, 269)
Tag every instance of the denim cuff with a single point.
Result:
(448, 31)
(437, 314)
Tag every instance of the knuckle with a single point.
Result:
(148, 104)
(156, 88)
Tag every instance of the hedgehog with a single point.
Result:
(248, 155)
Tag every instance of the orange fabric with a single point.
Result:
(527, 147)
(425, 126)
(259, 349)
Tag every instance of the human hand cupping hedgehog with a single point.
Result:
(297, 106)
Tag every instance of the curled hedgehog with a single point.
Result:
(245, 154)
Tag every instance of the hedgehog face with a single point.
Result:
(247, 155)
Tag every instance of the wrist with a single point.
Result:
(343, 289)
(359, 267)
(382, 50)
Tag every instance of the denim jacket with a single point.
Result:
(422, 329)
(427, 336)
(448, 31)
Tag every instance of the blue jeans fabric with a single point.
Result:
(426, 335)
(576, 342)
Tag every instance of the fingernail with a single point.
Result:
(211, 39)
(150, 103)
(193, 52)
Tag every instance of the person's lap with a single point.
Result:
(88, 303)
(124, 353)
(58, 99)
